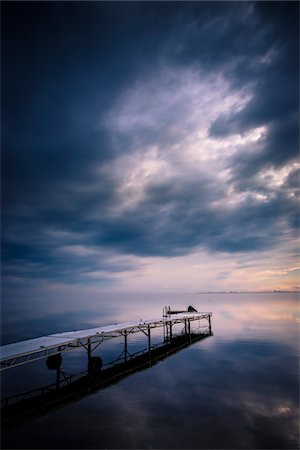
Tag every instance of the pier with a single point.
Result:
(68, 388)
(54, 345)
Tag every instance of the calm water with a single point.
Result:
(236, 389)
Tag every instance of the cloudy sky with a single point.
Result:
(150, 145)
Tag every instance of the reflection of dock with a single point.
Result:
(29, 405)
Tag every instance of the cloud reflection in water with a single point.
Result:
(237, 389)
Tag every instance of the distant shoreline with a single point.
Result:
(248, 292)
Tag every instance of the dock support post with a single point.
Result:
(89, 349)
(189, 328)
(166, 329)
(58, 373)
(125, 346)
(89, 352)
(171, 331)
(185, 327)
(149, 338)
(149, 344)
(209, 324)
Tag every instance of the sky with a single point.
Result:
(149, 146)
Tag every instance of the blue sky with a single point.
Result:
(150, 146)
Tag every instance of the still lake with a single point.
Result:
(237, 389)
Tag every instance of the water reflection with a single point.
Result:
(237, 390)
(233, 312)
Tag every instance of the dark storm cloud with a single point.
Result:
(275, 95)
(279, 147)
(168, 221)
(65, 64)
(33, 170)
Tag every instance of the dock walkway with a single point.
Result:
(23, 352)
